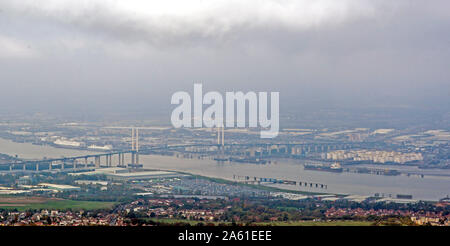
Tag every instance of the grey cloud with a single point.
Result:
(211, 21)
(98, 56)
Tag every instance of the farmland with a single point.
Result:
(37, 203)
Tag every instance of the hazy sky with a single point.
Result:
(86, 56)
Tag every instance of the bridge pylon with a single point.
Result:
(135, 148)
(220, 136)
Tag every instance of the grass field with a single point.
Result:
(25, 203)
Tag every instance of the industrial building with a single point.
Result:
(126, 174)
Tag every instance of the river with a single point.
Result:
(430, 187)
(32, 151)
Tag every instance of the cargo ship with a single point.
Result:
(335, 167)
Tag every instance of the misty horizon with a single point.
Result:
(102, 58)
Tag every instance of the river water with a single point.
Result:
(430, 187)
(31, 151)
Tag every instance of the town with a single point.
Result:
(179, 199)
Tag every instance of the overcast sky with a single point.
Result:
(78, 55)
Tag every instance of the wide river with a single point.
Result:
(430, 187)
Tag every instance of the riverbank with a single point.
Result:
(429, 188)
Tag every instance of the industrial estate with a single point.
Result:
(124, 181)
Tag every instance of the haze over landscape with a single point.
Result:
(103, 57)
(335, 112)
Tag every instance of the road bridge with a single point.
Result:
(95, 160)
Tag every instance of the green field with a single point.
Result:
(60, 205)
